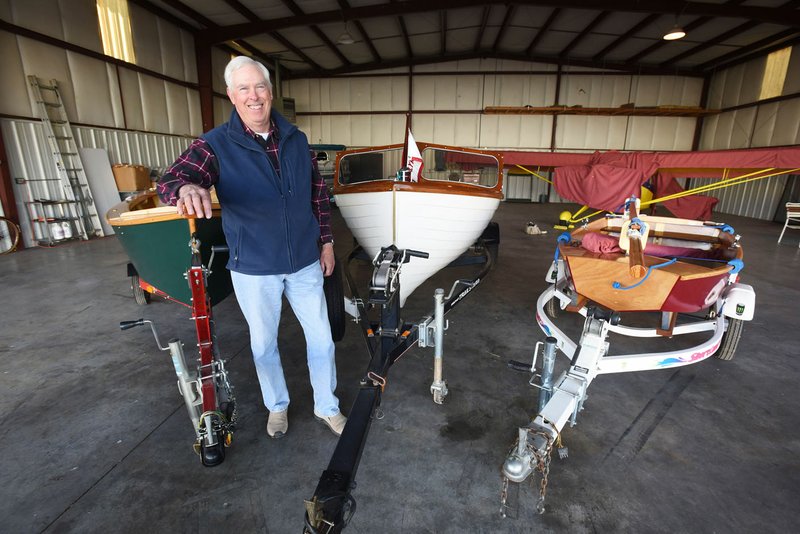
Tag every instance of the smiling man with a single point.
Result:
(276, 219)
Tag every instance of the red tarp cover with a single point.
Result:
(603, 187)
(753, 158)
(603, 180)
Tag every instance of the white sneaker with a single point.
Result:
(335, 422)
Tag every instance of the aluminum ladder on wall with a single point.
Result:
(76, 204)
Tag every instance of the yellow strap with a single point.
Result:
(539, 176)
(727, 182)
(721, 184)
(574, 220)
(584, 208)
(706, 187)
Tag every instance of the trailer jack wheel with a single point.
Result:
(214, 454)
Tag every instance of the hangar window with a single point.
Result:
(775, 73)
(115, 29)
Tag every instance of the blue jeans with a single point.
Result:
(260, 300)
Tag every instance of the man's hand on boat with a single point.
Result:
(194, 200)
(327, 259)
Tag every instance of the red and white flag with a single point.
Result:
(414, 158)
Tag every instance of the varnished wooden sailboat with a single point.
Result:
(647, 263)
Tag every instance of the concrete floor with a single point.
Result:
(96, 438)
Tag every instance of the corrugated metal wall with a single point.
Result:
(114, 100)
(95, 92)
(521, 185)
(448, 109)
(775, 123)
(758, 199)
(27, 152)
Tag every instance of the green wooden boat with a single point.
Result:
(156, 240)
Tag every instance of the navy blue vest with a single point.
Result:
(268, 222)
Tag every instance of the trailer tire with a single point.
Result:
(553, 307)
(730, 340)
(490, 239)
(141, 296)
(334, 297)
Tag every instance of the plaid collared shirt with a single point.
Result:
(198, 165)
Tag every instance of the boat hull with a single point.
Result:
(438, 201)
(442, 224)
(157, 243)
(685, 278)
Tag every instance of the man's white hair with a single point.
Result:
(241, 61)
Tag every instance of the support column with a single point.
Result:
(202, 52)
(698, 125)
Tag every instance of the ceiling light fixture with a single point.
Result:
(345, 38)
(674, 34)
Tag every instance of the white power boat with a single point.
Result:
(438, 202)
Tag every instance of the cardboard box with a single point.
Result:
(131, 177)
(472, 177)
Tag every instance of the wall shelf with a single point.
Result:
(54, 221)
(622, 111)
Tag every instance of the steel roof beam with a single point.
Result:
(763, 46)
(443, 30)
(294, 8)
(482, 28)
(360, 27)
(542, 31)
(720, 38)
(639, 26)
(780, 16)
(509, 13)
(403, 62)
(688, 28)
(597, 20)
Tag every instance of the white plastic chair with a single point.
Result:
(792, 216)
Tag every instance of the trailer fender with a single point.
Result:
(739, 302)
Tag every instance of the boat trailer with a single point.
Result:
(387, 339)
(206, 389)
(562, 398)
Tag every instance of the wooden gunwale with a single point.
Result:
(423, 185)
(672, 228)
(145, 209)
(686, 269)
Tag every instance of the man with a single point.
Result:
(276, 219)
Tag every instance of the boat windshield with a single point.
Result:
(438, 164)
(370, 166)
(455, 166)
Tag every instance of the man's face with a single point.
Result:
(252, 97)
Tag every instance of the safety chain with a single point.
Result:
(504, 496)
(543, 460)
(229, 425)
(542, 465)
